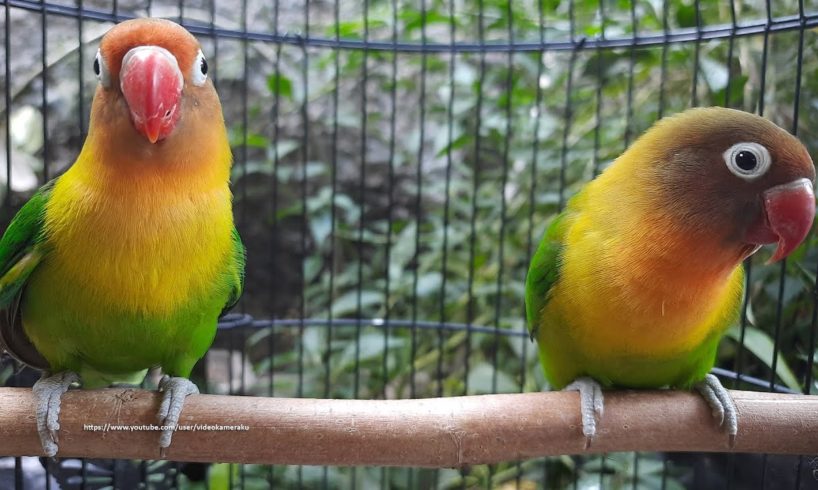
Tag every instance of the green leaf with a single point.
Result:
(257, 141)
(429, 283)
(281, 85)
(219, 474)
(348, 302)
(792, 289)
(415, 19)
(320, 226)
(737, 83)
(715, 73)
(550, 5)
(371, 346)
(349, 29)
(761, 345)
(456, 143)
(480, 380)
(686, 15)
(6, 373)
(313, 343)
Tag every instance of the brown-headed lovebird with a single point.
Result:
(637, 280)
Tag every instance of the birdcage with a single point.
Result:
(395, 164)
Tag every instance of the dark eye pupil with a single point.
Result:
(96, 66)
(746, 160)
(204, 66)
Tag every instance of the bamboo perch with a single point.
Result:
(440, 432)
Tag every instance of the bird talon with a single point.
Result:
(49, 448)
(176, 390)
(589, 432)
(719, 416)
(599, 405)
(589, 429)
(165, 438)
(48, 392)
(591, 405)
(721, 405)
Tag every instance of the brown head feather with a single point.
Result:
(688, 178)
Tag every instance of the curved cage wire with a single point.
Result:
(395, 164)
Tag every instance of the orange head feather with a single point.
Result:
(147, 32)
(153, 89)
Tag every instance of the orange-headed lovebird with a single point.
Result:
(636, 281)
(126, 261)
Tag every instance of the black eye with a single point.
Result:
(204, 66)
(746, 160)
(96, 66)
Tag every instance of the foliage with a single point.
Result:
(488, 148)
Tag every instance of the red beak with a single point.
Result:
(789, 210)
(151, 82)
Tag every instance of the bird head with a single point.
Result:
(734, 176)
(153, 71)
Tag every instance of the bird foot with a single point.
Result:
(176, 390)
(591, 405)
(721, 403)
(48, 392)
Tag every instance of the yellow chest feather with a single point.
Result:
(137, 245)
(629, 284)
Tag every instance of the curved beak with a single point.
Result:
(152, 83)
(789, 210)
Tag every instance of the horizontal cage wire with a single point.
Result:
(395, 164)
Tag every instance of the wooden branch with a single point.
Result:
(442, 432)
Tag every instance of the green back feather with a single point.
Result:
(543, 273)
(237, 276)
(21, 250)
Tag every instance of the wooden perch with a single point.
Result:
(441, 432)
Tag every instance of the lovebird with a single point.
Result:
(636, 281)
(126, 261)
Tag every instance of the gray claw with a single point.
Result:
(176, 390)
(592, 405)
(48, 392)
(721, 403)
(712, 400)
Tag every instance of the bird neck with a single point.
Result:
(655, 248)
(674, 255)
(132, 166)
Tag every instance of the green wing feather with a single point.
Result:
(543, 273)
(21, 250)
(236, 272)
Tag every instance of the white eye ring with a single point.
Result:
(101, 70)
(747, 160)
(198, 72)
